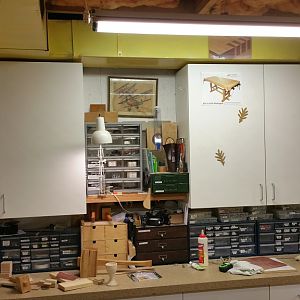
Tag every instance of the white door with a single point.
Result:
(42, 155)
(286, 292)
(282, 84)
(214, 130)
(261, 293)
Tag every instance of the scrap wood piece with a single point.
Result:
(23, 283)
(88, 263)
(6, 269)
(63, 276)
(75, 284)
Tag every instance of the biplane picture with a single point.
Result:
(132, 97)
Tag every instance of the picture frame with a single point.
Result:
(132, 97)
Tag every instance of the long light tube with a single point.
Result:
(142, 27)
(193, 24)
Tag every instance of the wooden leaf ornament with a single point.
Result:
(220, 156)
(243, 114)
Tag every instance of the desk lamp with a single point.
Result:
(101, 136)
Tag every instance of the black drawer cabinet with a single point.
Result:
(162, 244)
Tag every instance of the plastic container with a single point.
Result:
(203, 249)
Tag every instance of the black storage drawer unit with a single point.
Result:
(162, 244)
(37, 251)
(278, 237)
(225, 239)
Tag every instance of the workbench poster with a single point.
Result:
(221, 88)
(230, 47)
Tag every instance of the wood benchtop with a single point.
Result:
(175, 279)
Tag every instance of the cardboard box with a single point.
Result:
(109, 117)
(97, 107)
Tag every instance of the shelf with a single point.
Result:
(134, 197)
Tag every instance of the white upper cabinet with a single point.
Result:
(42, 156)
(220, 112)
(282, 83)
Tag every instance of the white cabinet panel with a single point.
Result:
(42, 154)
(282, 133)
(287, 292)
(209, 125)
(244, 294)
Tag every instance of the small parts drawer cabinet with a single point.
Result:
(109, 238)
(163, 244)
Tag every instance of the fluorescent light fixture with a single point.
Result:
(183, 24)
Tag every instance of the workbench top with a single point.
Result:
(175, 279)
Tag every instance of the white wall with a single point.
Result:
(95, 88)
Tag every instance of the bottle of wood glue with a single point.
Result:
(203, 249)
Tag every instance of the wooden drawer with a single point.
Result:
(92, 232)
(161, 245)
(165, 257)
(115, 231)
(115, 246)
(119, 256)
(99, 245)
(162, 232)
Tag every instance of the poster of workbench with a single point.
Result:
(221, 88)
(229, 47)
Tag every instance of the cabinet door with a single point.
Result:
(209, 125)
(166, 297)
(282, 133)
(245, 294)
(42, 154)
(286, 292)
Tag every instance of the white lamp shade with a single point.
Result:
(101, 136)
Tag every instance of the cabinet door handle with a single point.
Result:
(274, 193)
(261, 192)
(3, 203)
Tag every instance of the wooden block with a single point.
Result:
(52, 282)
(169, 130)
(23, 284)
(93, 263)
(97, 107)
(109, 117)
(75, 284)
(6, 269)
(84, 261)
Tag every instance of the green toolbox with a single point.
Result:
(169, 182)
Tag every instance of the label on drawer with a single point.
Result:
(111, 163)
(143, 243)
(144, 230)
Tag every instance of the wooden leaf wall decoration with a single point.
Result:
(220, 156)
(243, 114)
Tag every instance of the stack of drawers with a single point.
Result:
(41, 251)
(277, 237)
(109, 238)
(162, 244)
(229, 239)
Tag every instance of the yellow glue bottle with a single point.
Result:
(203, 249)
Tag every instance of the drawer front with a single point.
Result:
(165, 257)
(115, 246)
(163, 232)
(161, 245)
(99, 245)
(92, 233)
(116, 231)
(118, 256)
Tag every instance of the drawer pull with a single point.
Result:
(162, 233)
(163, 257)
(162, 245)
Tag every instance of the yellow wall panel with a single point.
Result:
(60, 39)
(162, 46)
(282, 49)
(89, 43)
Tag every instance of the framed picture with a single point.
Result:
(132, 97)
